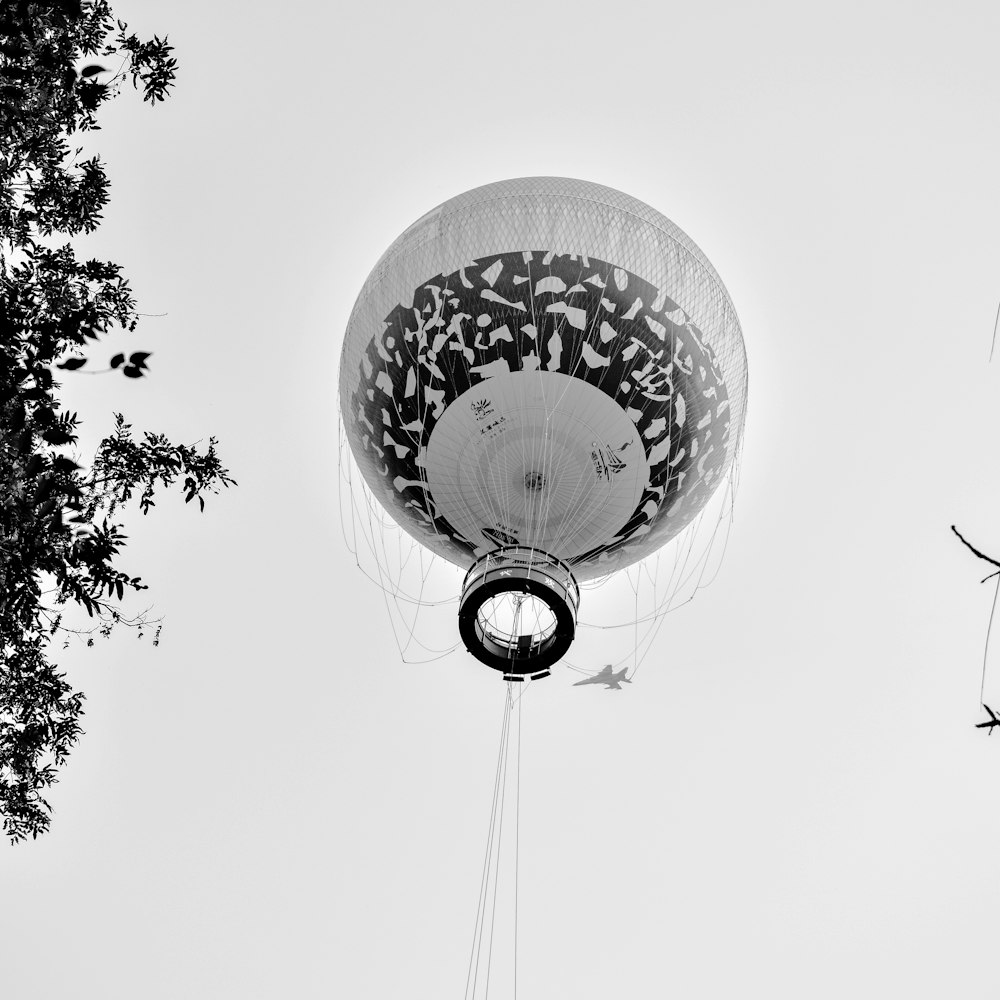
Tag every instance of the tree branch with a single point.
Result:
(975, 551)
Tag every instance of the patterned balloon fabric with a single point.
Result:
(546, 363)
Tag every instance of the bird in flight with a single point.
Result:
(991, 723)
(607, 676)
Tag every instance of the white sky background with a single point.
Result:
(790, 800)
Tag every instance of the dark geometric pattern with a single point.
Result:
(531, 310)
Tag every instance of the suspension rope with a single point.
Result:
(508, 762)
(499, 845)
(477, 934)
(517, 837)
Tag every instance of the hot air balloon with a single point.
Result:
(543, 381)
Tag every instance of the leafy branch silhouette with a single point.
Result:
(60, 540)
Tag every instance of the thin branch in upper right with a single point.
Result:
(981, 555)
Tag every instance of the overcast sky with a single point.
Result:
(791, 799)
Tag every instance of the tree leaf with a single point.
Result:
(91, 70)
(118, 360)
(63, 464)
(130, 371)
(57, 435)
(71, 364)
(138, 358)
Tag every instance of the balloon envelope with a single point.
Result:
(546, 363)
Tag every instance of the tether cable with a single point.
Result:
(517, 837)
(499, 842)
(472, 975)
(508, 767)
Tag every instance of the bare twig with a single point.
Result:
(996, 595)
(975, 551)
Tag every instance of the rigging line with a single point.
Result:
(650, 634)
(477, 933)
(578, 501)
(538, 511)
(525, 686)
(416, 612)
(701, 561)
(389, 614)
(356, 510)
(387, 593)
(499, 841)
(396, 589)
(986, 649)
(379, 527)
(690, 564)
(399, 595)
(680, 562)
(727, 531)
(553, 460)
(517, 833)
(431, 659)
(672, 588)
(635, 634)
(382, 565)
(342, 436)
(383, 547)
(546, 458)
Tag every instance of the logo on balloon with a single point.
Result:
(481, 408)
(607, 460)
(500, 537)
